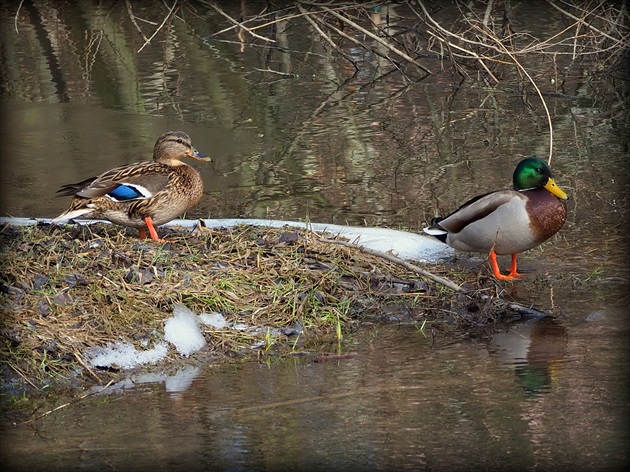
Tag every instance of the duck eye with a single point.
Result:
(179, 140)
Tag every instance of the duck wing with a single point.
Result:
(477, 208)
(129, 182)
(72, 189)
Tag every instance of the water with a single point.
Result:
(334, 147)
(401, 403)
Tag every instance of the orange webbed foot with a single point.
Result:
(512, 275)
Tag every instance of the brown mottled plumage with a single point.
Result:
(507, 221)
(144, 194)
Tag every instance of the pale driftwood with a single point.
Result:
(399, 261)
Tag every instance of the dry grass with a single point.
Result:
(67, 288)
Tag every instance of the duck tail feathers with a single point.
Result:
(69, 215)
(434, 229)
(69, 190)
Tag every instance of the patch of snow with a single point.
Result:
(216, 320)
(124, 355)
(403, 244)
(183, 331)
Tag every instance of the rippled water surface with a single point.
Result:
(332, 146)
(540, 400)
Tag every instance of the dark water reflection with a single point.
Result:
(334, 146)
(400, 404)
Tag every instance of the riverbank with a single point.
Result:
(276, 291)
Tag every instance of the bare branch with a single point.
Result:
(17, 13)
(325, 36)
(237, 23)
(133, 20)
(590, 26)
(167, 18)
(376, 38)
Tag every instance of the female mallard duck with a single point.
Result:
(507, 221)
(144, 194)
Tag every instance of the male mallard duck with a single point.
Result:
(144, 194)
(507, 221)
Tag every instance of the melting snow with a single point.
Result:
(124, 355)
(183, 330)
(216, 320)
(403, 244)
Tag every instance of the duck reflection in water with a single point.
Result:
(536, 349)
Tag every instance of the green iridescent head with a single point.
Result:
(533, 173)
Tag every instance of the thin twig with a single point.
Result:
(529, 77)
(167, 18)
(439, 27)
(83, 397)
(471, 54)
(16, 16)
(238, 23)
(288, 74)
(399, 261)
(343, 34)
(133, 20)
(21, 374)
(325, 36)
(587, 24)
(78, 358)
(317, 398)
(376, 38)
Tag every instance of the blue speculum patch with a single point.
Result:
(125, 192)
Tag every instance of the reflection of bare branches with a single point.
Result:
(327, 38)
(94, 41)
(374, 37)
(600, 31)
(237, 23)
(472, 35)
(166, 19)
(484, 40)
(533, 82)
(356, 41)
(480, 42)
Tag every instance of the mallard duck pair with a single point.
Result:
(508, 221)
(144, 194)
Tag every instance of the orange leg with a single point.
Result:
(142, 234)
(513, 274)
(151, 228)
